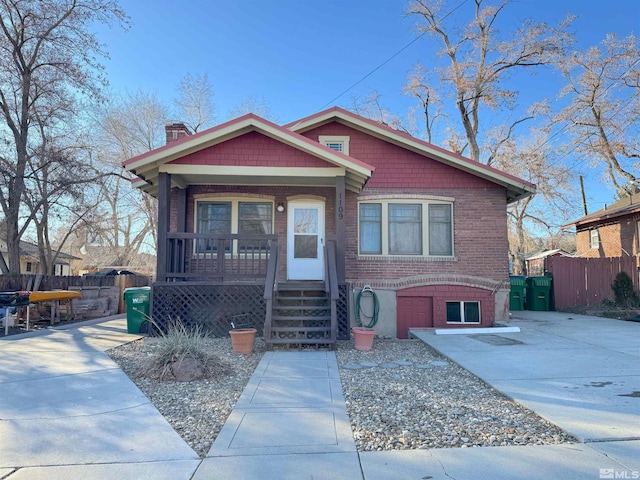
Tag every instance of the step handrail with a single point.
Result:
(269, 287)
(331, 285)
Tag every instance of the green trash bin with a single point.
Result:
(516, 296)
(137, 300)
(538, 293)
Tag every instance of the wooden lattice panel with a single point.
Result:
(342, 308)
(214, 307)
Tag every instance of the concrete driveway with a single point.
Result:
(581, 373)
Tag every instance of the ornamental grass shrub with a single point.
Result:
(181, 353)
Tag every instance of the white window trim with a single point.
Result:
(343, 139)
(594, 238)
(463, 322)
(235, 216)
(425, 227)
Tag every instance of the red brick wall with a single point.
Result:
(442, 294)
(252, 149)
(480, 240)
(617, 238)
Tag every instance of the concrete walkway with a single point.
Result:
(289, 423)
(67, 411)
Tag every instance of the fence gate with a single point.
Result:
(581, 282)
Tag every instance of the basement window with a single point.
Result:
(463, 312)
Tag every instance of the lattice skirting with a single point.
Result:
(343, 312)
(213, 307)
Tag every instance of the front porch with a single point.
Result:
(240, 288)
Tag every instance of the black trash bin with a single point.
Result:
(138, 301)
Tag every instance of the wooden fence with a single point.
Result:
(579, 282)
(10, 283)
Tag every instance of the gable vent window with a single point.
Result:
(338, 143)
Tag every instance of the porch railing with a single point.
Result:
(234, 257)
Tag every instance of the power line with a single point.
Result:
(389, 59)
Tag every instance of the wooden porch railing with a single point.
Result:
(198, 256)
(331, 284)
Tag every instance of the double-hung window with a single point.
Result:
(371, 228)
(405, 229)
(418, 228)
(221, 218)
(214, 218)
(594, 239)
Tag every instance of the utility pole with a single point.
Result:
(584, 198)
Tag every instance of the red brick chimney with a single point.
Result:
(176, 131)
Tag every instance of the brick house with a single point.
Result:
(309, 213)
(613, 231)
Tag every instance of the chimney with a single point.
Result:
(176, 131)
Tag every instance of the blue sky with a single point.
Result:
(299, 55)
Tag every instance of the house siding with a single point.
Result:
(252, 149)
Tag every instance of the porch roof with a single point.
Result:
(517, 188)
(147, 166)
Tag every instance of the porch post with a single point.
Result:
(340, 229)
(164, 212)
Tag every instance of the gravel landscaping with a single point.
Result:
(400, 395)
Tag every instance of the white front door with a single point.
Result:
(305, 241)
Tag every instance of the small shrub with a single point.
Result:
(623, 291)
(181, 345)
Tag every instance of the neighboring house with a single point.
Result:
(613, 231)
(29, 259)
(537, 262)
(308, 213)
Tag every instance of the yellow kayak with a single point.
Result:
(48, 295)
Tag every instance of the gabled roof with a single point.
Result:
(29, 249)
(148, 165)
(548, 253)
(516, 187)
(627, 206)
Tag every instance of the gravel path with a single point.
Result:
(412, 398)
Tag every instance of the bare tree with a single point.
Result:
(47, 54)
(603, 113)
(125, 223)
(478, 61)
(195, 101)
(531, 159)
(429, 103)
(370, 106)
(253, 104)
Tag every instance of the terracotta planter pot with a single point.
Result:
(242, 340)
(363, 337)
